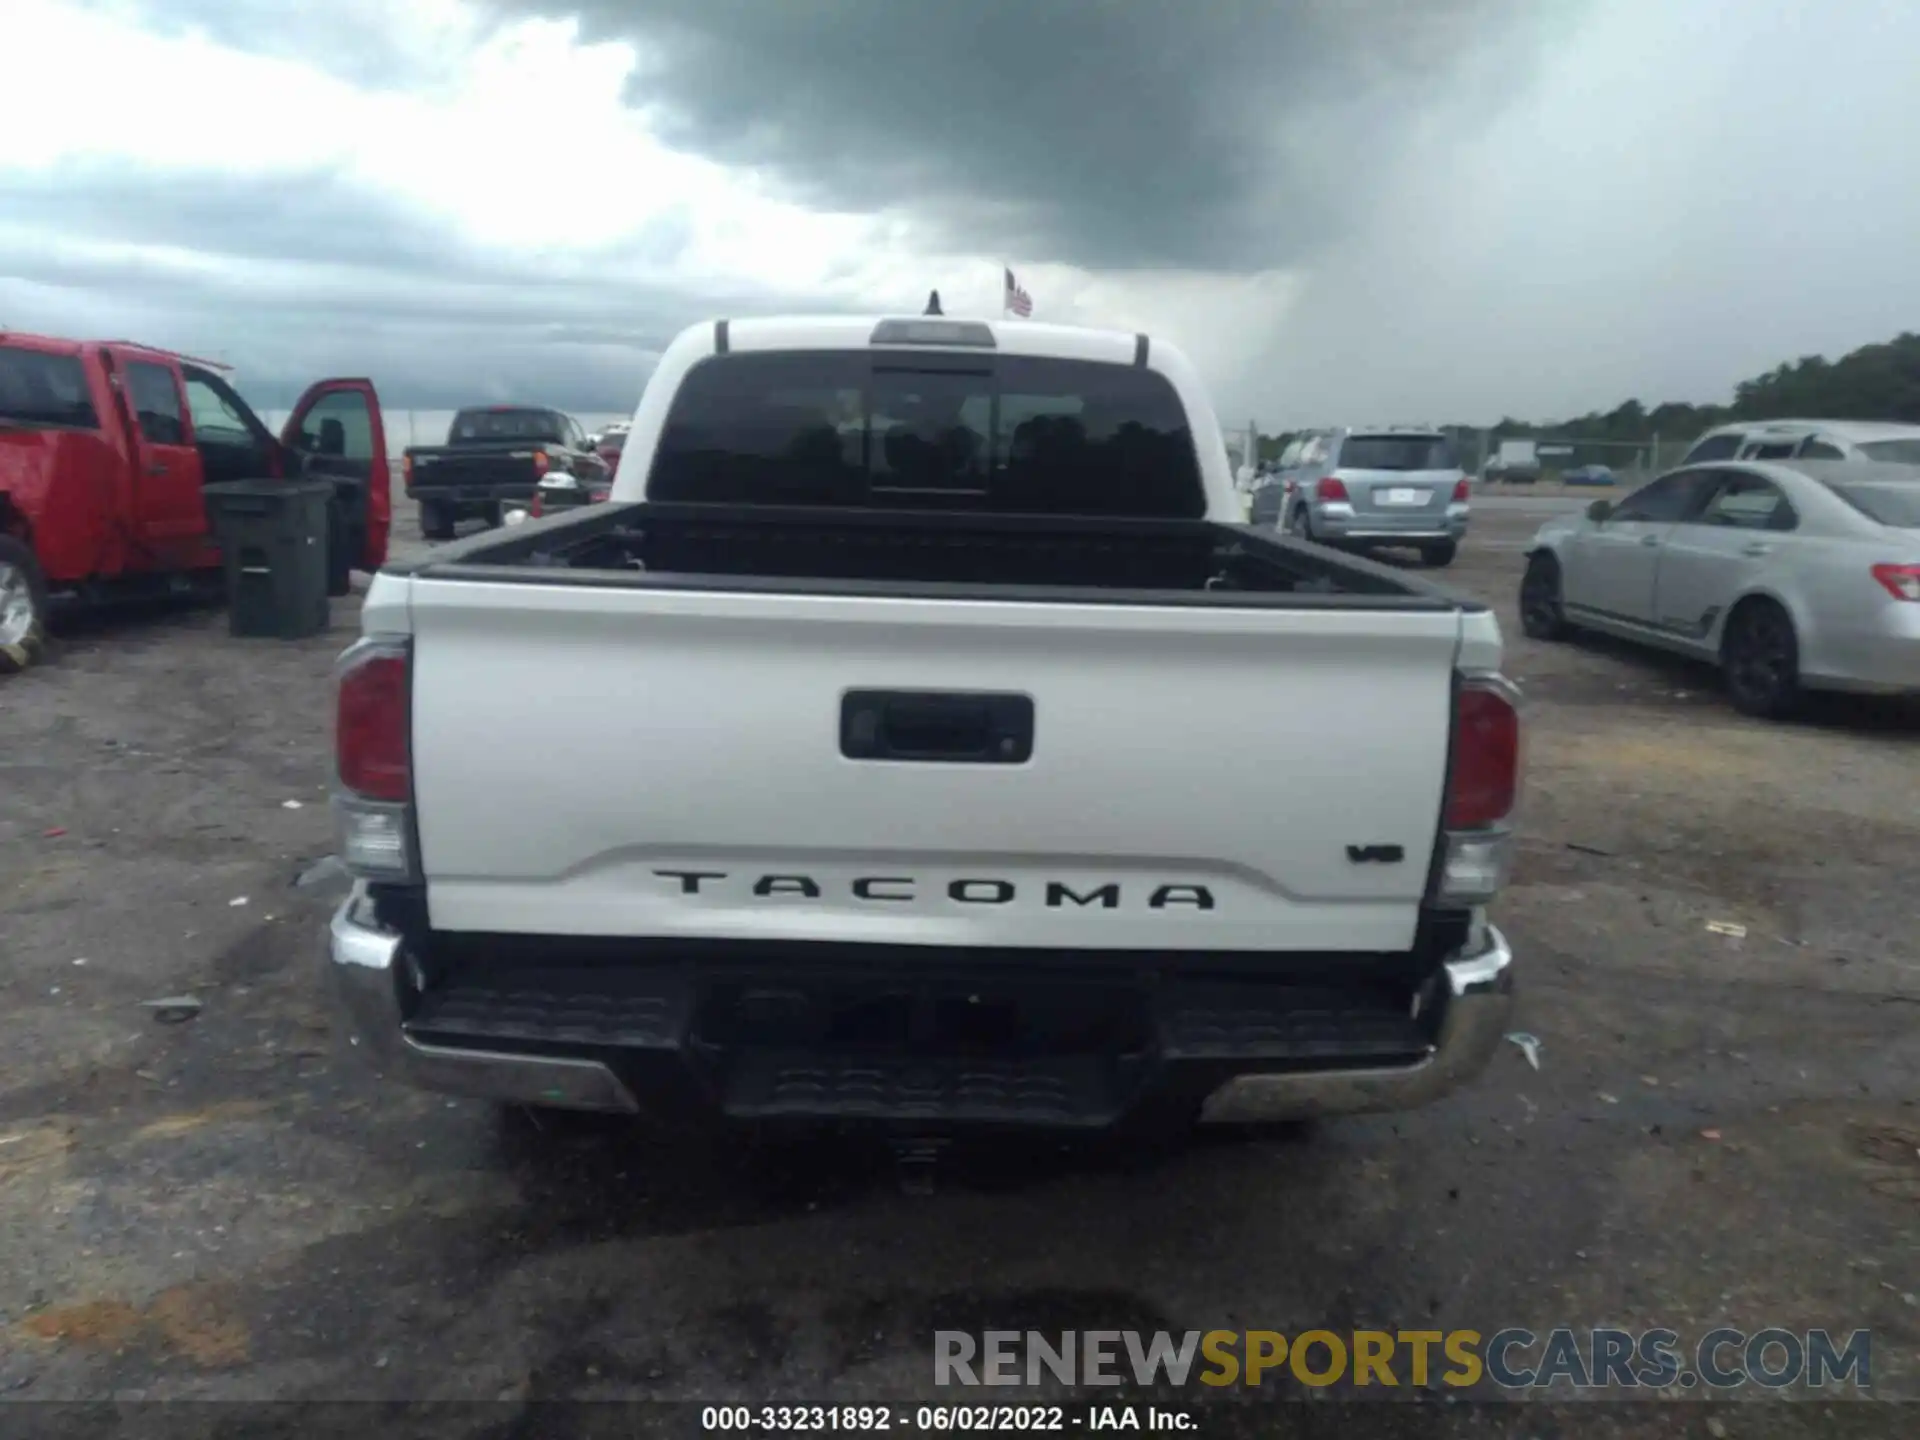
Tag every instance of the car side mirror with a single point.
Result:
(1598, 511)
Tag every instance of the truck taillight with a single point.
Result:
(1331, 488)
(1483, 787)
(1461, 492)
(406, 467)
(373, 759)
(1901, 581)
(1484, 779)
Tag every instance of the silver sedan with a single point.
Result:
(1791, 575)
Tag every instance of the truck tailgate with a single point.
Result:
(481, 470)
(635, 762)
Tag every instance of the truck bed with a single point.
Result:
(936, 554)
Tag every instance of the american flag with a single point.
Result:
(1017, 300)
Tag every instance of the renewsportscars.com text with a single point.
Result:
(1514, 1359)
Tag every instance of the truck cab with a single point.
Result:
(105, 448)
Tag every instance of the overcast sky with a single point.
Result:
(1345, 210)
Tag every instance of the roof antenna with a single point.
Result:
(933, 304)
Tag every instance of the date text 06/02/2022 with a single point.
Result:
(928, 1419)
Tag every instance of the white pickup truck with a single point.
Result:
(918, 737)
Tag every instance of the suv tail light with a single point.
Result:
(406, 469)
(1902, 581)
(1461, 491)
(373, 759)
(1331, 488)
(1483, 787)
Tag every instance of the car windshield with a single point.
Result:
(471, 425)
(37, 388)
(1397, 452)
(1899, 452)
(1891, 502)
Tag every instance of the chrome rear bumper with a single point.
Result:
(366, 964)
(369, 968)
(1479, 1004)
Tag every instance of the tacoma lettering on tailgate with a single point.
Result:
(896, 889)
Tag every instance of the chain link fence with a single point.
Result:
(1632, 461)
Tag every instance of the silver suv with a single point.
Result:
(1370, 489)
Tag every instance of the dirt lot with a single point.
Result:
(1722, 1130)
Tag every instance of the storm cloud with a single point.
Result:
(1236, 135)
(1345, 210)
(1222, 135)
(381, 43)
(293, 276)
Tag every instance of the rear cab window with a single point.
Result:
(43, 390)
(1007, 434)
(1398, 452)
(504, 423)
(1714, 447)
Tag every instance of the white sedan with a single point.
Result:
(1791, 575)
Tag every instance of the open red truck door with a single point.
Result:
(339, 435)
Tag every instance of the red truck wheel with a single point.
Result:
(23, 607)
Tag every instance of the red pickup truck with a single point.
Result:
(104, 448)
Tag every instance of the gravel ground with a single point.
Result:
(1721, 1131)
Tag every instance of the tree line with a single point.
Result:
(1874, 382)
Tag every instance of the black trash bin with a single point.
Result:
(273, 537)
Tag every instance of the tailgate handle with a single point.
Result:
(929, 725)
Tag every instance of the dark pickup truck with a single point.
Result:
(495, 455)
